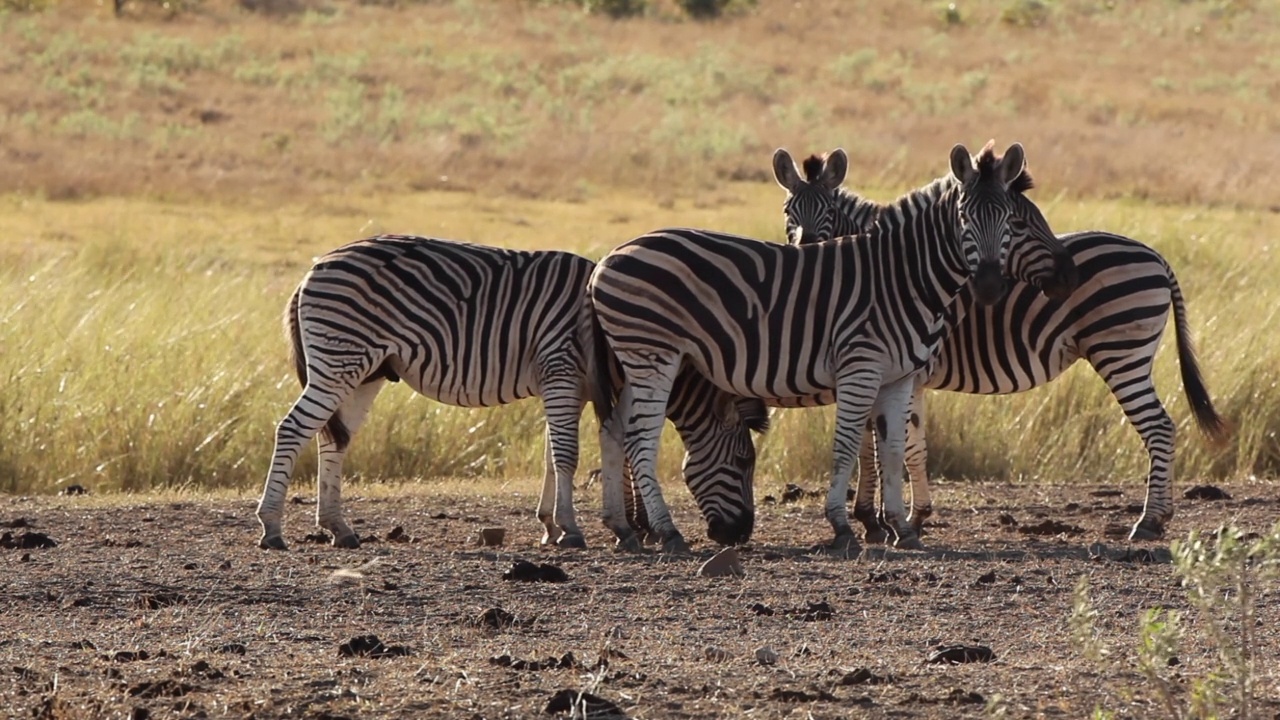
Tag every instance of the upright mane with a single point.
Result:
(813, 167)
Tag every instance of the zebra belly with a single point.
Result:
(474, 388)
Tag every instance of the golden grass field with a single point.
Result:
(171, 175)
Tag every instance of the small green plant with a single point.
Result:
(704, 9)
(1026, 13)
(950, 14)
(1222, 575)
(616, 8)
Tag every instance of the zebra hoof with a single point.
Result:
(1146, 531)
(274, 542)
(574, 540)
(844, 546)
(675, 545)
(875, 536)
(909, 541)
(348, 542)
(629, 544)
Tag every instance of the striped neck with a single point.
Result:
(918, 232)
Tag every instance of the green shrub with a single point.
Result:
(616, 8)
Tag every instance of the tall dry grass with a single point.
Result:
(1166, 99)
(143, 346)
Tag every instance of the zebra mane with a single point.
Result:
(913, 200)
(986, 159)
(1022, 183)
(813, 167)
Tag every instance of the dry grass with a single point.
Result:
(143, 346)
(1165, 100)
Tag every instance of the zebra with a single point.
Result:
(853, 319)
(469, 325)
(1114, 320)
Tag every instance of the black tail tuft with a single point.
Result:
(1210, 422)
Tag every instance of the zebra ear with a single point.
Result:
(784, 170)
(1012, 164)
(962, 166)
(835, 169)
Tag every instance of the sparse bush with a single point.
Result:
(616, 8)
(704, 9)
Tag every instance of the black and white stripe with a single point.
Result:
(1114, 320)
(472, 326)
(856, 318)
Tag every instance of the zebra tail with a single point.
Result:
(1211, 423)
(599, 364)
(334, 428)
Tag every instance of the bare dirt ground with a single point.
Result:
(170, 610)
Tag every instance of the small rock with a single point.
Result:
(16, 523)
(715, 654)
(1007, 521)
(792, 493)
(814, 612)
(766, 656)
(761, 609)
(492, 536)
(74, 490)
(864, 676)
(1206, 492)
(987, 579)
(1051, 527)
(723, 563)
(27, 541)
(398, 535)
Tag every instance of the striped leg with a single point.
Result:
(865, 508)
(917, 458)
(320, 399)
(644, 432)
(1132, 387)
(855, 394)
(891, 409)
(614, 472)
(563, 406)
(353, 412)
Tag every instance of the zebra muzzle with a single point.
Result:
(988, 283)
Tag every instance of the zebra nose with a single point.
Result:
(808, 236)
(988, 283)
(735, 531)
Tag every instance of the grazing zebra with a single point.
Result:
(783, 323)
(472, 326)
(1114, 320)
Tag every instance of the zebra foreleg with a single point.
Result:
(917, 456)
(563, 410)
(890, 412)
(865, 507)
(352, 413)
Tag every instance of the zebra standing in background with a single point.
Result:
(784, 322)
(1114, 320)
(473, 326)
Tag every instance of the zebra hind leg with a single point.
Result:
(563, 408)
(309, 413)
(352, 413)
(891, 412)
(648, 408)
(615, 474)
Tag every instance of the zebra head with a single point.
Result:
(811, 201)
(722, 476)
(984, 206)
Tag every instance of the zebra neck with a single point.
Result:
(919, 250)
(855, 214)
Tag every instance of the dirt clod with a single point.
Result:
(864, 676)
(715, 654)
(579, 704)
(814, 612)
(1051, 527)
(761, 609)
(987, 579)
(1007, 521)
(398, 535)
(161, 688)
(27, 541)
(74, 490)
(492, 536)
(956, 654)
(318, 537)
(1206, 492)
(564, 662)
(370, 646)
(495, 618)
(16, 523)
(525, 571)
(793, 493)
(131, 656)
(1107, 492)
(800, 696)
(766, 656)
(232, 649)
